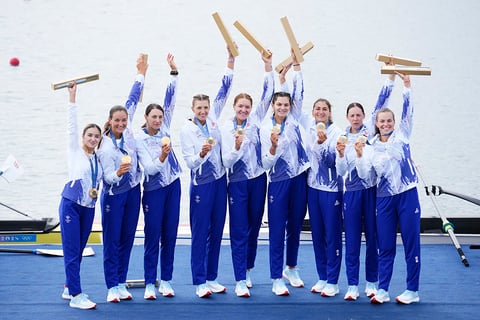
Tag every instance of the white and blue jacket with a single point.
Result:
(192, 138)
(246, 163)
(346, 165)
(391, 160)
(290, 158)
(159, 174)
(111, 153)
(81, 166)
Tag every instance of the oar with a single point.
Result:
(87, 252)
(50, 223)
(437, 190)
(446, 225)
(17, 211)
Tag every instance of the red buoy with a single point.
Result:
(14, 62)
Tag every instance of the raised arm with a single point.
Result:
(297, 92)
(407, 113)
(225, 87)
(137, 88)
(171, 92)
(382, 100)
(268, 89)
(72, 125)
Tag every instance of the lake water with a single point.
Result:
(60, 39)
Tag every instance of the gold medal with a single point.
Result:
(362, 139)
(165, 140)
(343, 139)
(276, 129)
(126, 159)
(210, 141)
(93, 193)
(320, 126)
(240, 131)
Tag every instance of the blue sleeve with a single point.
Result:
(169, 102)
(382, 101)
(134, 97)
(267, 94)
(297, 95)
(407, 114)
(223, 93)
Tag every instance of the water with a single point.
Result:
(60, 39)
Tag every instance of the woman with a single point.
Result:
(161, 190)
(397, 197)
(120, 200)
(325, 189)
(359, 199)
(201, 140)
(284, 156)
(247, 180)
(77, 206)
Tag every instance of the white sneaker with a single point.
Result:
(319, 286)
(216, 287)
(112, 295)
(380, 297)
(292, 276)
(203, 290)
(352, 293)
(408, 297)
(150, 292)
(249, 280)
(370, 289)
(279, 287)
(166, 289)
(330, 290)
(81, 301)
(66, 294)
(123, 292)
(241, 289)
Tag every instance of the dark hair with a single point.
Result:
(114, 109)
(281, 94)
(329, 105)
(200, 97)
(91, 125)
(244, 96)
(355, 104)
(382, 110)
(149, 109)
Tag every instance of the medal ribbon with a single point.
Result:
(122, 142)
(204, 128)
(235, 125)
(94, 171)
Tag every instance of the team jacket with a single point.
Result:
(290, 158)
(323, 172)
(111, 154)
(192, 138)
(80, 165)
(158, 174)
(346, 165)
(391, 160)
(246, 163)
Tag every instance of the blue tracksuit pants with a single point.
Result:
(75, 225)
(286, 212)
(208, 206)
(358, 216)
(402, 209)
(325, 212)
(161, 208)
(119, 222)
(246, 202)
